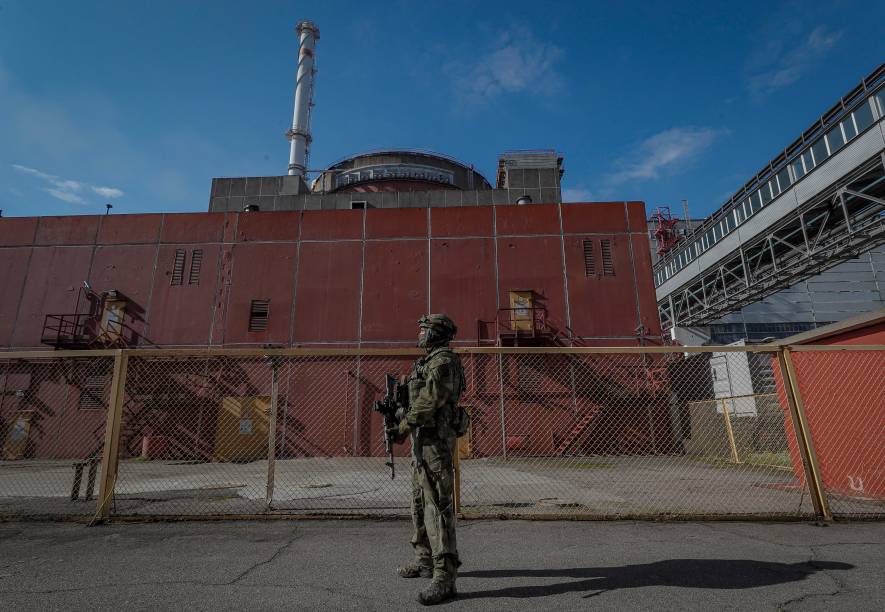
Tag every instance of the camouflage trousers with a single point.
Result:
(433, 505)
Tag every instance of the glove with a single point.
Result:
(395, 435)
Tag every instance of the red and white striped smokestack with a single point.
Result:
(299, 134)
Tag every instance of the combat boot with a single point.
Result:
(438, 591)
(415, 568)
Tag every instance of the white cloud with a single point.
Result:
(65, 196)
(517, 62)
(784, 68)
(67, 190)
(108, 192)
(667, 152)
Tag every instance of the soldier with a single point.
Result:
(435, 386)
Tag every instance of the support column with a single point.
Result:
(803, 436)
(272, 431)
(111, 455)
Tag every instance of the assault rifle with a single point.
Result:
(395, 397)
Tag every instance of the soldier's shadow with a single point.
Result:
(690, 573)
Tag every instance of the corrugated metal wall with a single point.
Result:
(360, 277)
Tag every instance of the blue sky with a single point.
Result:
(141, 103)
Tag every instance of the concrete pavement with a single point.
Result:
(508, 565)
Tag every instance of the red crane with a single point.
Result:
(665, 229)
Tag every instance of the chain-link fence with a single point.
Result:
(608, 433)
(53, 413)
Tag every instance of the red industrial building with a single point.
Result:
(351, 260)
(338, 277)
(574, 274)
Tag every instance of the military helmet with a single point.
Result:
(439, 323)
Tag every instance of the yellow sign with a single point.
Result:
(521, 303)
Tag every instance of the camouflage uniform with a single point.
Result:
(435, 386)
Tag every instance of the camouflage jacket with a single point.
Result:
(435, 386)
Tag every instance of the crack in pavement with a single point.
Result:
(813, 562)
(295, 537)
(721, 529)
(236, 581)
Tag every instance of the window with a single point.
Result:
(798, 168)
(92, 396)
(757, 201)
(848, 128)
(258, 315)
(863, 116)
(178, 267)
(196, 265)
(835, 139)
(783, 178)
(608, 265)
(358, 205)
(766, 194)
(808, 160)
(589, 263)
(880, 99)
(819, 149)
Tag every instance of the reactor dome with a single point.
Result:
(398, 170)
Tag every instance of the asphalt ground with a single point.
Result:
(616, 487)
(508, 565)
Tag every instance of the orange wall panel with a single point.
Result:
(128, 269)
(395, 289)
(182, 314)
(54, 231)
(328, 292)
(192, 227)
(594, 218)
(265, 226)
(396, 223)
(129, 229)
(55, 276)
(260, 272)
(527, 220)
(13, 271)
(17, 231)
(462, 284)
(461, 221)
(533, 264)
(331, 224)
(601, 305)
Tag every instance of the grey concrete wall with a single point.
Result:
(846, 290)
(282, 193)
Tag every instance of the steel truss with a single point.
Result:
(840, 223)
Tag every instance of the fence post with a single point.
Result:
(111, 455)
(501, 404)
(735, 458)
(803, 434)
(272, 432)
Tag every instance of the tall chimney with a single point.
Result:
(299, 134)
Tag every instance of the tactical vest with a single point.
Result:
(445, 426)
